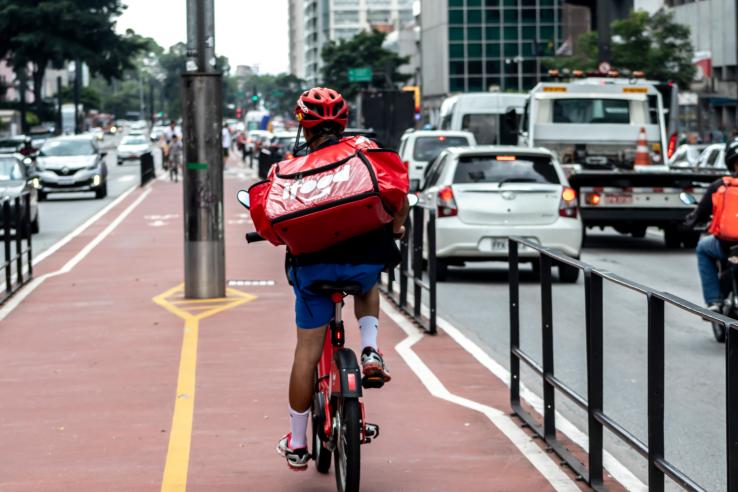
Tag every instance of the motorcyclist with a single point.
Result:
(711, 250)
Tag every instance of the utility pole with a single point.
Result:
(202, 112)
(59, 102)
(77, 89)
(604, 18)
(23, 84)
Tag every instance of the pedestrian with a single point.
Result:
(226, 141)
(175, 158)
(241, 143)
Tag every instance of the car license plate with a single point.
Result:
(493, 244)
(618, 199)
(66, 181)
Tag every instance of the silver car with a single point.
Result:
(132, 147)
(71, 164)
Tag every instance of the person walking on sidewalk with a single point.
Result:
(323, 114)
(226, 138)
(175, 158)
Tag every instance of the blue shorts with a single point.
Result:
(314, 310)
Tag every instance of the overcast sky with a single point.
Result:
(248, 32)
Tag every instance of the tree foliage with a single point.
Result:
(363, 50)
(278, 93)
(50, 32)
(654, 43)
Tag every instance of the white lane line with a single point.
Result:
(550, 470)
(59, 244)
(14, 301)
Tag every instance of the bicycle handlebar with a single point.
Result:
(254, 237)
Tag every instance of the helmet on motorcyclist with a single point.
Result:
(731, 155)
(321, 106)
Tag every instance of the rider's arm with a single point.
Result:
(701, 214)
(398, 221)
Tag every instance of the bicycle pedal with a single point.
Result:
(371, 431)
(372, 382)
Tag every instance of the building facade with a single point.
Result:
(481, 45)
(335, 20)
(296, 21)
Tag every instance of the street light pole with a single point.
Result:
(202, 113)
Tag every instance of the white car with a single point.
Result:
(687, 155)
(255, 138)
(713, 156)
(483, 195)
(132, 147)
(418, 148)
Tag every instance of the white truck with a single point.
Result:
(611, 137)
(490, 116)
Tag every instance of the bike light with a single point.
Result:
(446, 203)
(671, 147)
(593, 198)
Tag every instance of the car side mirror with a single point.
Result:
(412, 199)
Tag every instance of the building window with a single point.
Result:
(456, 17)
(378, 16)
(456, 68)
(475, 67)
(474, 50)
(476, 84)
(492, 16)
(455, 33)
(455, 3)
(511, 16)
(511, 33)
(456, 50)
(493, 50)
(511, 49)
(474, 16)
(457, 84)
(492, 66)
(346, 16)
(474, 33)
(528, 16)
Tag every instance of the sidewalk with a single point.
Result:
(112, 381)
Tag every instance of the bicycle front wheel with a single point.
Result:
(348, 447)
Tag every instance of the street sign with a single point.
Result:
(604, 67)
(360, 74)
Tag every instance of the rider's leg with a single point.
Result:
(366, 309)
(307, 353)
(709, 253)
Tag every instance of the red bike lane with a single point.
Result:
(111, 381)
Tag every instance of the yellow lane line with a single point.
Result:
(178, 452)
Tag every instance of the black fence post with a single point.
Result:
(549, 394)
(731, 399)
(417, 258)
(19, 231)
(404, 263)
(593, 307)
(655, 392)
(6, 243)
(147, 168)
(514, 281)
(432, 271)
(29, 246)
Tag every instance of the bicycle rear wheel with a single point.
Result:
(348, 447)
(321, 454)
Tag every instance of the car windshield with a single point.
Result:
(591, 111)
(427, 148)
(134, 141)
(10, 170)
(10, 143)
(61, 148)
(505, 169)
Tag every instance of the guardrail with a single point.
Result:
(410, 270)
(148, 171)
(653, 450)
(16, 227)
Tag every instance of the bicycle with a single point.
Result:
(337, 412)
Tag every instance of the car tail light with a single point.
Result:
(671, 148)
(593, 198)
(446, 202)
(568, 204)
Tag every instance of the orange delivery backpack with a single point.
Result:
(330, 195)
(724, 223)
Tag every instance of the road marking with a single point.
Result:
(79, 230)
(21, 295)
(550, 470)
(177, 463)
(126, 178)
(616, 469)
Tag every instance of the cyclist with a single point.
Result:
(711, 250)
(175, 158)
(323, 115)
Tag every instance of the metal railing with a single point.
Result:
(16, 227)
(653, 450)
(148, 171)
(410, 271)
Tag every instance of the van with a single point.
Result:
(491, 117)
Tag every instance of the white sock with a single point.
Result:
(299, 425)
(368, 326)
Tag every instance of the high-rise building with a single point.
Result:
(297, 37)
(478, 45)
(334, 20)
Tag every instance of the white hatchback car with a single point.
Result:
(483, 195)
(418, 148)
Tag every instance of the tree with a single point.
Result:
(89, 97)
(363, 50)
(40, 33)
(655, 44)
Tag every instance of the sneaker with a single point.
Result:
(372, 365)
(297, 459)
(715, 307)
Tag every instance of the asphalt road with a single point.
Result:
(475, 299)
(64, 212)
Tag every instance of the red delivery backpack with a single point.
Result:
(332, 194)
(724, 223)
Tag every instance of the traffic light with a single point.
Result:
(238, 113)
(255, 98)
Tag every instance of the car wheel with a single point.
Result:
(102, 191)
(441, 270)
(120, 163)
(690, 239)
(568, 274)
(41, 196)
(35, 228)
(672, 238)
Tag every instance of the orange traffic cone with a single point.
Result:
(642, 156)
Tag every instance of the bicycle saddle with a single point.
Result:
(327, 287)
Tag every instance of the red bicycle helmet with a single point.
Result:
(321, 105)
